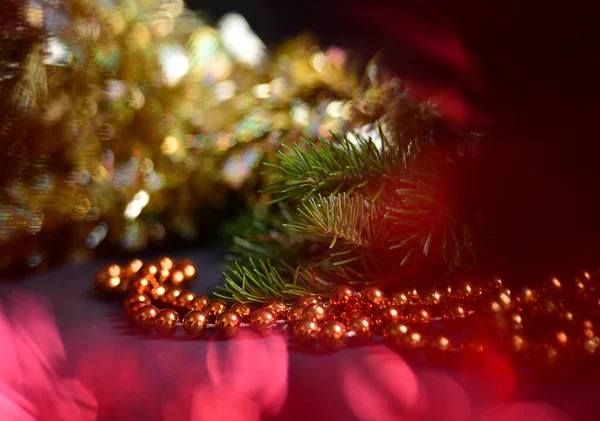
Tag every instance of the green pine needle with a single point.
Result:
(340, 165)
(259, 280)
(350, 219)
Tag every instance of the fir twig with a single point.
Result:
(259, 281)
(262, 234)
(351, 219)
(344, 164)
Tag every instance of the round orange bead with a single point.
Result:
(158, 293)
(412, 340)
(142, 284)
(165, 322)
(133, 267)
(243, 310)
(462, 289)
(440, 343)
(314, 312)
(215, 308)
(361, 330)
(295, 314)
(332, 335)
(133, 309)
(309, 299)
(176, 277)
(457, 311)
(149, 270)
(135, 298)
(263, 320)
(228, 324)
(342, 297)
(195, 323)
(305, 332)
(188, 269)
(108, 279)
(394, 332)
(591, 345)
(277, 307)
(352, 314)
(199, 303)
(432, 297)
(184, 299)
(144, 318)
(400, 298)
(171, 295)
(371, 297)
(416, 314)
(165, 263)
(387, 315)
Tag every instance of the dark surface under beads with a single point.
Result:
(94, 328)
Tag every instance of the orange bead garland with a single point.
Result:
(552, 322)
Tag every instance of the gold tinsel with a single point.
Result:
(120, 119)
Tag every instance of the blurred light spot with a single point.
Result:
(56, 53)
(224, 90)
(96, 236)
(334, 109)
(300, 114)
(224, 141)
(204, 46)
(371, 131)
(141, 35)
(174, 63)
(158, 231)
(114, 90)
(34, 15)
(261, 91)
(163, 25)
(241, 368)
(317, 61)
(34, 222)
(170, 145)
(34, 260)
(134, 208)
(116, 21)
(172, 8)
(336, 56)
(383, 387)
(137, 99)
(240, 41)
(238, 167)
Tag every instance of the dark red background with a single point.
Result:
(527, 67)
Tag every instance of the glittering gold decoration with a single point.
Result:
(121, 122)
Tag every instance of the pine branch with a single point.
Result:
(262, 234)
(423, 217)
(352, 219)
(343, 164)
(259, 281)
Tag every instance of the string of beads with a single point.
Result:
(543, 324)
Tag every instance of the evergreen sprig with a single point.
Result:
(260, 280)
(350, 219)
(422, 211)
(348, 210)
(343, 164)
(262, 234)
